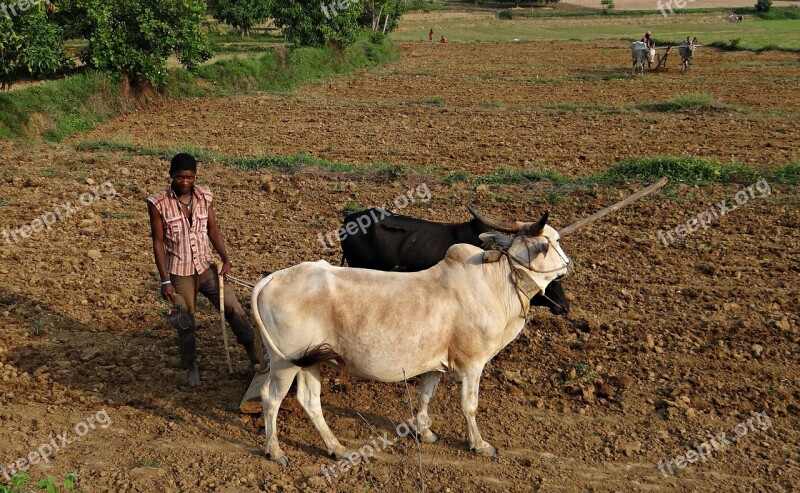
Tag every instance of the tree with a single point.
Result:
(763, 5)
(381, 15)
(607, 4)
(311, 23)
(133, 39)
(241, 14)
(30, 44)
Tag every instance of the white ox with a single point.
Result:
(641, 54)
(389, 326)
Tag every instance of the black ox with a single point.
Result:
(392, 242)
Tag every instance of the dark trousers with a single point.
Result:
(207, 283)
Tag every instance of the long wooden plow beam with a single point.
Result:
(613, 208)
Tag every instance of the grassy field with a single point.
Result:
(708, 27)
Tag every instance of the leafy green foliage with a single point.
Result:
(311, 23)
(30, 44)
(763, 5)
(134, 39)
(607, 4)
(241, 14)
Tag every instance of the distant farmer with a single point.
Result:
(443, 40)
(182, 224)
(430, 35)
(647, 40)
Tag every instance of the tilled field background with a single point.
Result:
(662, 347)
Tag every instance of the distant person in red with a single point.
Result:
(430, 36)
(443, 40)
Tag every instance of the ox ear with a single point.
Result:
(496, 237)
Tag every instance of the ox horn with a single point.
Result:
(535, 229)
(613, 208)
(504, 226)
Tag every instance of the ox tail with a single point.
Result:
(322, 353)
(260, 323)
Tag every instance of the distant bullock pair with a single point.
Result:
(407, 244)
(734, 18)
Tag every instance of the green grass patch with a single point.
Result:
(76, 103)
(789, 174)
(687, 102)
(690, 170)
(289, 164)
(736, 44)
(61, 107)
(434, 101)
(682, 169)
(755, 33)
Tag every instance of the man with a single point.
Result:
(647, 40)
(182, 223)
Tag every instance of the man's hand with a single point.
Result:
(168, 292)
(226, 269)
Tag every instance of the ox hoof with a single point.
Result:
(340, 454)
(282, 461)
(430, 437)
(487, 451)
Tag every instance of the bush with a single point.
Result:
(506, 14)
(763, 5)
(30, 44)
(241, 14)
(134, 39)
(382, 15)
(308, 23)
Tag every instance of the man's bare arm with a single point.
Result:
(215, 235)
(159, 250)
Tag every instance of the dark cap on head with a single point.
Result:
(181, 162)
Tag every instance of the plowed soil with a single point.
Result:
(663, 345)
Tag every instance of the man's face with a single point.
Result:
(183, 181)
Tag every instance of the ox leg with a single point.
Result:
(470, 386)
(281, 375)
(309, 387)
(429, 382)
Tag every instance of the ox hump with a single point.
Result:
(463, 253)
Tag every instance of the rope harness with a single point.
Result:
(522, 281)
(240, 282)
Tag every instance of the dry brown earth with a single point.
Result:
(662, 347)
